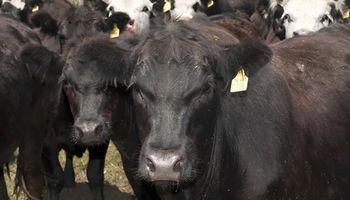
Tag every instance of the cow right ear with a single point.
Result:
(42, 64)
(244, 60)
(44, 21)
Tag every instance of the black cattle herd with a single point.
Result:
(209, 101)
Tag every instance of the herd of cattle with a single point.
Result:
(204, 99)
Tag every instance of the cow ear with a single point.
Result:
(42, 64)
(246, 57)
(45, 22)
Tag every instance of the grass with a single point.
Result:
(116, 183)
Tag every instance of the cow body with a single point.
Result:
(199, 141)
(319, 85)
(29, 94)
(72, 25)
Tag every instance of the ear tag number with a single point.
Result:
(35, 8)
(210, 3)
(167, 6)
(115, 32)
(240, 82)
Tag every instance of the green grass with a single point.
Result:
(116, 184)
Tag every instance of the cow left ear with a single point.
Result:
(244, 60)
(42, 64)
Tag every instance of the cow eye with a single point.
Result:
(287, 18)
(203, 95)
(69, 90)
(325, 18)
(145, 9)
(106, 89)
(139, 95)
(196, 6)
(199, 95)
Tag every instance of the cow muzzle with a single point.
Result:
(89, 132)
(164, 165)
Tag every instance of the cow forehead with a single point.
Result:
(174, 79)
(129, 5)
(310, 8)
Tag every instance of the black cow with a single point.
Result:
(29, 93)
(283, 137)
(78, 23)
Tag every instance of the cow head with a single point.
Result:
(133, 15)
(179, 80)
(91, 84)
(302, 17)
(81, 21)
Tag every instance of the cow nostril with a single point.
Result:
(79, 132)
(150, 165)
(295, 33)
(131, 22)
(178, 166)
(98, 129)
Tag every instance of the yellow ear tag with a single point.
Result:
(35, 8)
(210, 3)
(114, 32)
(240, 82)
(346, 13)
(167, 6)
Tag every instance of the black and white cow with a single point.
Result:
(132, 15)
(302, 17)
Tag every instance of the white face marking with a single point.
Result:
(19, 4)
(136, 11)
(183, 9)
(305, 16)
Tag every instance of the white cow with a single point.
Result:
(139, 12)
(301, 17)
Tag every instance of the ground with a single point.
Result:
(116, 184)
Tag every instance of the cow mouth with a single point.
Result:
(90, 140)
(167, 186)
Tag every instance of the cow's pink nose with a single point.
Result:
(131, 22)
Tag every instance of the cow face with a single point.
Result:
(91, 89)
(178, 83)
(133, 15)
(302, 17)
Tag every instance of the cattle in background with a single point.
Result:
(76, 24)
(29, 93)
(302, 17)
(95, 86)
(285, 136)
(256, 10)
(132, 15)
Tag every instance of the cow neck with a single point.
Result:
(209, 184)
